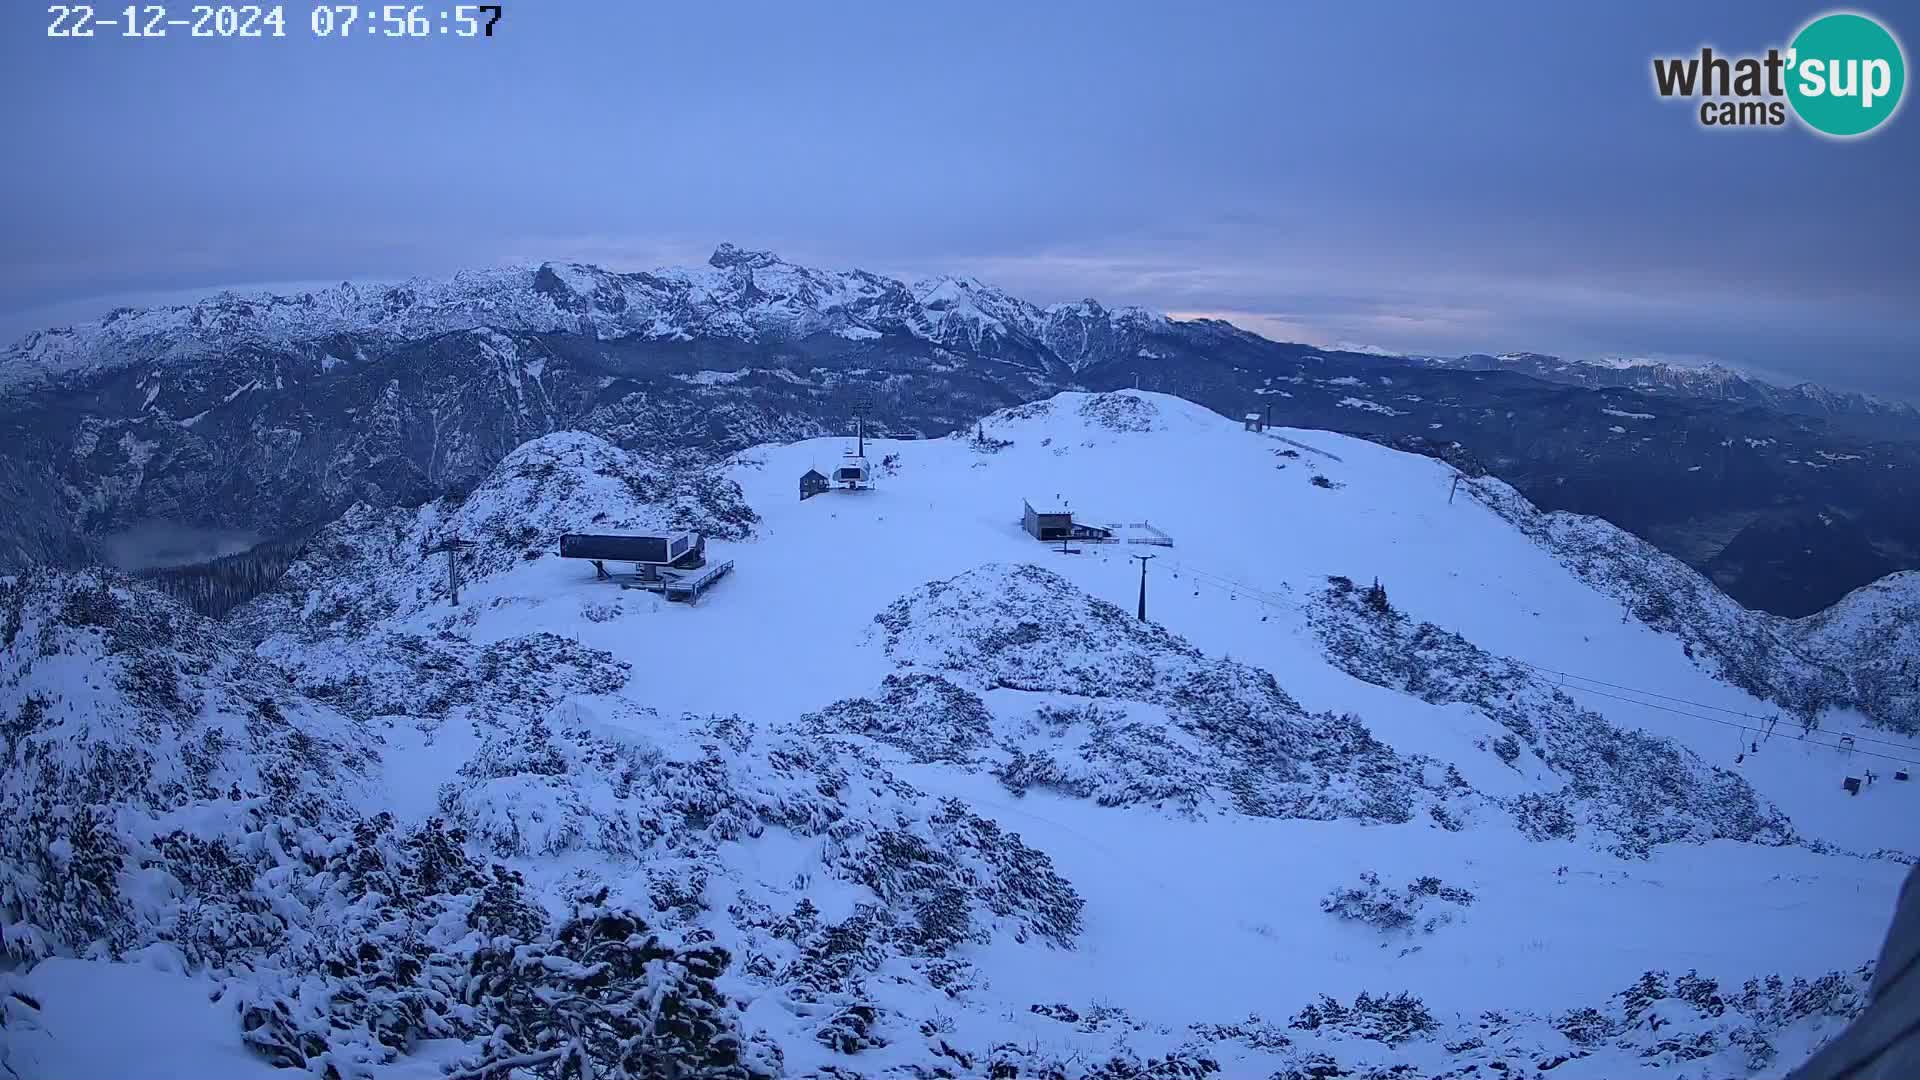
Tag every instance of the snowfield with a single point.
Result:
(1395, 774)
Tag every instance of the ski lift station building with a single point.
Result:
(682, 550)
(673, 564)
(1056, 523)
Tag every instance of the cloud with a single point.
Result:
(158, 543)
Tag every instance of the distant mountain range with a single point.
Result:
(1863, 414)
(744, 296)
(271, 415)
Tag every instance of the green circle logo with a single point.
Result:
(1845, 74)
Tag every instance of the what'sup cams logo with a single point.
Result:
(1843, 75)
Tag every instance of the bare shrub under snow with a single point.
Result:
(1423, 905)
(1230, 733)
(1626, 789)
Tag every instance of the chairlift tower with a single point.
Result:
(452, 546)
(854, 472)
(1143, 585)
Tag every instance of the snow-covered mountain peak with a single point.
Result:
(737, 294)
(570, 481)
(946, 289)
(729, 256)
(1086, 308)
(1072, 416)
(1627, 363)
(577, 279)
(1093, 310)
(969, 297)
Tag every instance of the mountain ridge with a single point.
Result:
(270, 417)
(755, 293)
(1867, 414)
(747, 295)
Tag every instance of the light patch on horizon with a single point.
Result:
(1380, 334)
(1271, 327)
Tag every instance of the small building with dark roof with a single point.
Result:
(1058, 524)
(813, 482)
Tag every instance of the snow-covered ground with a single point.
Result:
(792, 629)
(1188, 919)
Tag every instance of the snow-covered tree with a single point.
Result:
(605, 997)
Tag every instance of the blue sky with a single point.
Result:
(1409, 175)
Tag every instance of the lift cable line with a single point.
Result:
(1636, 690)
(1809, 739)
(1219, 581)
(1757, 724)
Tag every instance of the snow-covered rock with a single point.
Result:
(1583, 774)
(1229, 731)
(371, 564)
(1855, 654)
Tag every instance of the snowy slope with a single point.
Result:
(130, 719)
(1877, 627)
(945, 802)
(1848, 657)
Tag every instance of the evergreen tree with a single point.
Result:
(218, 586)
(1376, 597)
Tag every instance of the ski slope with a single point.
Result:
(793, 629)
(1191, 920)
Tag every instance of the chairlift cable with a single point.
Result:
(1701, 705)
(1905, 759)
(1810, 740)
